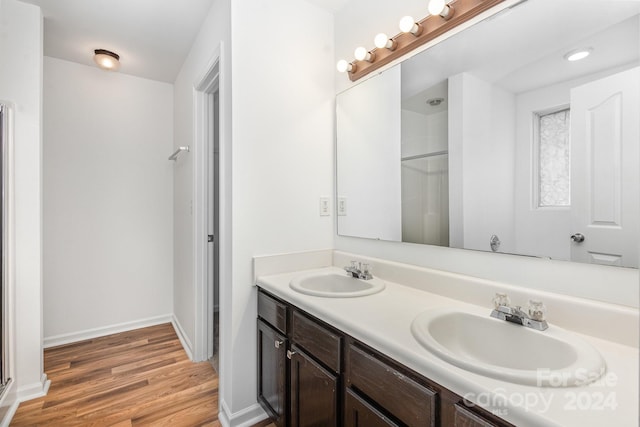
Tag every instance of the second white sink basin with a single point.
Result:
(506, 351)
(334, 284)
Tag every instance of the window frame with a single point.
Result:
(535, 157)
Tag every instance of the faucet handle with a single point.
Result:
(501, 299)
(366, 269)
(537, 310)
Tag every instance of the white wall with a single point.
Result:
(482, 135)
(276, 158)
(108, 196)
(352, 30)
(21, 84)
(368, 117)
(214, 35)
(282, 154)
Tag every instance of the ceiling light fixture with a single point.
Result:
(106, 59)
(434, 102)
(578, 54)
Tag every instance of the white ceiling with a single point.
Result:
(330, 5)
(152, 37)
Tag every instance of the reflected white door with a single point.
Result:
(605, 135)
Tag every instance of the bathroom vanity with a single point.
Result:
(355, 361)
(310, 373)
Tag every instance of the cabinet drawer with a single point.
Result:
(272, 311)
(465, 418)
(410, 402)
(358, 413)
(317, 340)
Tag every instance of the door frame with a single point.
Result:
(8, 334)
(210, 81)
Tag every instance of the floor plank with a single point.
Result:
(134, 378)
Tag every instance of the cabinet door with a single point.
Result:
(314, 392)
(272, 373)
(358, 413)
(465, 418)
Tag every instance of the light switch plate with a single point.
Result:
(342, 206)
(325, 209)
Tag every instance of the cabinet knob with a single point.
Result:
(278, 343)
(290, 354)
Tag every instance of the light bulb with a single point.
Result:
(439, 7)
(383, 41)
(343, 66)
(362, 54)
(408, 25)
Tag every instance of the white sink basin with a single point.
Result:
(335, 285)
(506, 351)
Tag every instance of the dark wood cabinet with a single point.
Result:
(315, 372)
(464, 418)
(312, 375)
(319, 341)
(359, 413)
(314, 392)
(410, 402)
(455, 412)
(299, 366)
(272, 373)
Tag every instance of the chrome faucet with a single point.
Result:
(359, 270)
(534, 318)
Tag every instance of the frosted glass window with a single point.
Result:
(554, 159)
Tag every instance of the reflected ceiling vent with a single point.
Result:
(434, 102)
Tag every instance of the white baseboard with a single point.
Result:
(33, 391)
(8, 404)
(62, 339)
(244, 418)
(8, 415)
(182, 336)
(14, 396)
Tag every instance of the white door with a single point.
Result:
(605, 178)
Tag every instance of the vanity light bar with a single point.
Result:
(417, 34)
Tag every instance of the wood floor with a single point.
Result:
(141, 377)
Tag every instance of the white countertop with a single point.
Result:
(383, 321)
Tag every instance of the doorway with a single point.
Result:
(213, 231)
(209, 235)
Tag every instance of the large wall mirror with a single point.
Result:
(500, 139)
